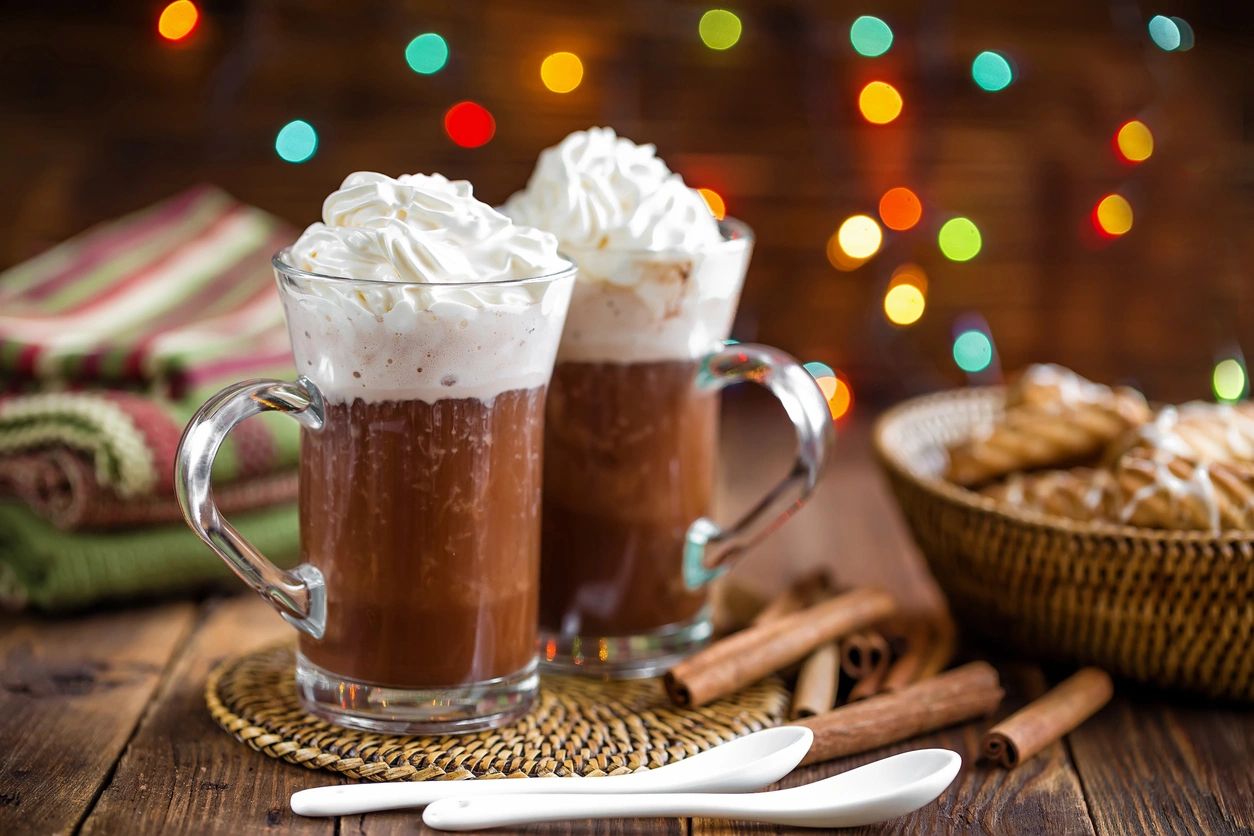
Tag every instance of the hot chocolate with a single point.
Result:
(630, 436)
(629, 464)
(424, 325)
(424, 519)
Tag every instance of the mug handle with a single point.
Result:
(709, 548)
(298, 595)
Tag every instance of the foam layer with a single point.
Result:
(646, 307)
(597, 189)
(381, 343)
(436, 296)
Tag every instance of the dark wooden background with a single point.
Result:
(98, 117)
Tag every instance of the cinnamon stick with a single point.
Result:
(751, 654)
(906, 665)
(1041, 722)
(862, 653)
(816, 683)
(871, 684)
(955, 696)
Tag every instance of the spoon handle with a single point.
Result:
(351, 799)
(474, 813)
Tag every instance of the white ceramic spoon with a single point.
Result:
(873, 793)
(746, 763)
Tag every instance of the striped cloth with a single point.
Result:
(110, 341)
(176, 299)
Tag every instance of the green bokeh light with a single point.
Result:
(870, 36)
(991, 71)
(296, 141)
(973, 351)
(1164, 32)
(959, 239)
(719, 29)
(427, 53)
(1229, 380)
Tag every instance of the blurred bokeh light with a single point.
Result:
(879, 102)
(719, 29)
(178, 20)
(870, 36)
(427, 53)
(296, 141)
(959, 239)
(561, 72)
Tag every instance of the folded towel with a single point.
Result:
(130, 441)
(62, 486)
(175, 298)
(47, 569)
(110, 341)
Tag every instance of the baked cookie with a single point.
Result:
(1159, 489)
(1205, 432)
(1053, 417)
(1081, 493)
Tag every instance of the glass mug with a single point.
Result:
(422, 426)
(631, 441)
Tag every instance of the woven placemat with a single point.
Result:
(577, 727)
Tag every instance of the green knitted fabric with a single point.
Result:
(47, 569)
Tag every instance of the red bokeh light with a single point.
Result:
(469, 124)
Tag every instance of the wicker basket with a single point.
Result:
(1174, 609)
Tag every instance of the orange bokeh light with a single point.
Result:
(178, 20)
(838, 394)
(715, 201)
(900, 208)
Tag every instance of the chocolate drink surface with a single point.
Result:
(423, 518)
(629, 464)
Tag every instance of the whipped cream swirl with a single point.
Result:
(420, 228)
(596, 189)
(444, 314)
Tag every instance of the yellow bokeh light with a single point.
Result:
(715, 201)
(561, 72)
(879, 102)
(1113, 215)
(177, 20)
(860, 236)
(904, 304)
(1134, 141)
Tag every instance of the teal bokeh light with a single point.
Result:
(991, 71)
(296, 141)
(870, 36)
(973, 351)
(427, 53)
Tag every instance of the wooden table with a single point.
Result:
(103, 727)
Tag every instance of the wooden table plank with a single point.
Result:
(71, 692)
(184, 774)
(1149, 766)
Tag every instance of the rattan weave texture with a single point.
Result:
(577, 727)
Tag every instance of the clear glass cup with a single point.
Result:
(422, 414)
(631, 442)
